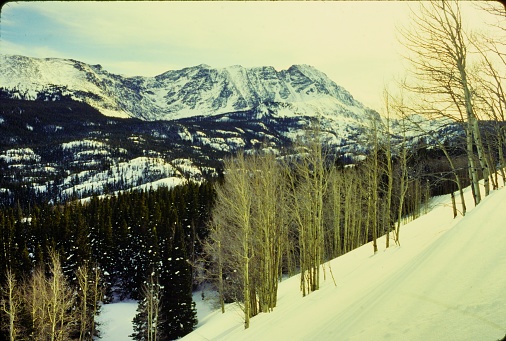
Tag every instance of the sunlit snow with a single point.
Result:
(445, 282)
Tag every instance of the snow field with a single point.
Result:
(116, 320)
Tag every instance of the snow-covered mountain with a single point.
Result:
(194, 116)
(301, 90)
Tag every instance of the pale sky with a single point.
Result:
(353, 42)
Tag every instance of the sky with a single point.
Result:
(355, 43)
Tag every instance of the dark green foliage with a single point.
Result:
(178, 309)
(129, 236)
(43, 126)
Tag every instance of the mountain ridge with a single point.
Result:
(49, 104)
(191, 91)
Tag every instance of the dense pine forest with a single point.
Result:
(102, 250)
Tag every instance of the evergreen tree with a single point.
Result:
(178, 309)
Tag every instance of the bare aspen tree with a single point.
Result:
(97, 294)
(308, 186)
(60, 302)
(490, 92)
(51, 302)
(354, 197)
(372, 164)
(152, 295)
(83, 282)
(249, 231)
(90, 293)
(10, 305)
(36, 299)
(268, 219)
(403, 182)
(147, 320)
(235, 198)
(387, 146)
(439, 47)
(334, 213)
(350, 210)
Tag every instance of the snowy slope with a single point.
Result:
(447, 281)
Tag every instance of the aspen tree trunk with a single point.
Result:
(11, 304)
(473, 176)
(360, 219)
(246, 290)
(471, 117)
(348, 211)
(244, 197)
(98, 295)
(374, 171)
(439, 46)
(152, 295)
(403, 181)
(403, 187)
(491, 163)
(390, 175)
(336, 213)
(220, 277)
(502, 162)
(83, 282)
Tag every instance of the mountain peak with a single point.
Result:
(201, 66)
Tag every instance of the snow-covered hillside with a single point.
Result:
(447, 281)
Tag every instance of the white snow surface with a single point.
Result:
(116, 320)
(446, 281)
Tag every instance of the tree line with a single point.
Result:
(277, 216)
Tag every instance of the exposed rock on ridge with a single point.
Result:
(197, 90)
